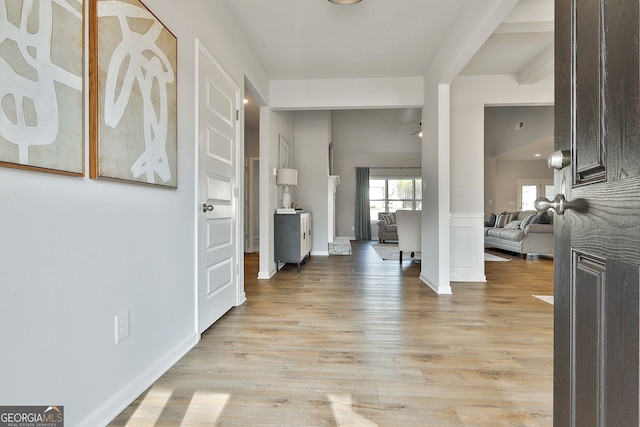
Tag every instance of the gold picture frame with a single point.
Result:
(132, 95)
(42, 64)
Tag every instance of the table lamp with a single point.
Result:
(287, 177)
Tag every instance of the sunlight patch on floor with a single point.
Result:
(345, 415)
(151, 407)
(204, 408)
(545, 298)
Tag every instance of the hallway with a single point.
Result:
(354, 340)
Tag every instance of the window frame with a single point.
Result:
(416, 182)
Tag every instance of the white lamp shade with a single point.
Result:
(287, 177)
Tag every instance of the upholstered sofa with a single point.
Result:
(387, 228)
(517, 232)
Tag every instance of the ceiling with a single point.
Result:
(316, 39)
(518, 133)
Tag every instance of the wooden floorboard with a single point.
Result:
(352, 340)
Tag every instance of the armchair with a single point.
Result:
(387, 229)
(409, 231)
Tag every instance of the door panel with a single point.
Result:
(597, 256)
(588, 282)
(218, 246)
(588, 162)
(621, 382)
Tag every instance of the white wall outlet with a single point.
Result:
(122, 326)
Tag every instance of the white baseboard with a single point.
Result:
(440, 290)
(266, 275)
(319, 253)
(243, 299)
(117, 403)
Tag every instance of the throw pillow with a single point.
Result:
(501, 220)
(526, 221)
(541, 218)
(492, 220)
(388, 218)
(513, 225)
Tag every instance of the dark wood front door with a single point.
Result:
(597, 251)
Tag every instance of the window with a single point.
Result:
(530, 189)
(392, 194)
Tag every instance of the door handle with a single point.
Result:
(206, 207)
(559, 204)
(559, 159)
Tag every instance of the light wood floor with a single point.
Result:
(357, 341)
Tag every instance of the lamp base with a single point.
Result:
(286, 198)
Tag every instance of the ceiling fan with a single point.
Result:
(415, 129)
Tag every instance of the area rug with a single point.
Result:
(389, 251)
(491, 257)
(545, 298)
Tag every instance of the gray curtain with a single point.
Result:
(363, 219)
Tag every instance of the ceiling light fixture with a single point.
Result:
(345, 1)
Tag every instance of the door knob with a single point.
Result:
(206, 207)
(559, 159)
(559, 204)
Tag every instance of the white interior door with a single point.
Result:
(218, 174)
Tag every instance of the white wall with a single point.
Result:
(338, 94)
(506, 176)
(501, 135)
(489, 186)
(75, 252)
(469, 96)
(251, 143)
(311, 141)
(272, 125)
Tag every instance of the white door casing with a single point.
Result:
(220, 262)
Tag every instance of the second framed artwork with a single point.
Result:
(132, 94)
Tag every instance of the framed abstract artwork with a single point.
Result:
(132, 94)
(41, 85)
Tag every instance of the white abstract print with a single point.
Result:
(29, 111)
(137, 58)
